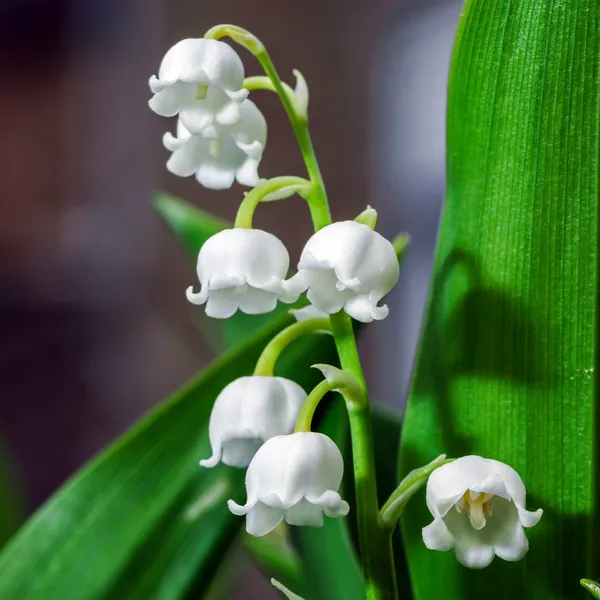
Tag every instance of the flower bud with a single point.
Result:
(248, 412)
(241, 269)
(201, 80)
(293, 478)
(347, 265)
(221, 153)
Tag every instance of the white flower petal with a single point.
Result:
(473, 506)
(213, 461)
(331, 503)
(298, 475)
(348, 265)
(529, 518)
(449, 482)
(197, 298)
(215, 177)
(510, 541)
(229, 114)
(247, 174)
(172, 143)
(262, 519)
(304, 513)
(437, 537)
(220, 305)
(363, 309)
(473, 556)
(249, 411)
(165, 102)
(198, 60)
(257, 302)
(196, 119)
(238, 452)
(184, 161)
(242, 267)
(240, 510)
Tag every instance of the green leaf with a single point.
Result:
(143, 520)
(192, 227)
(507, 362)
(591, 586)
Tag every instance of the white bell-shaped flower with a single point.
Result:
(478, 506)
(347, 265)
(201, 80)
(248, 412)
(241, 269)
(293, 478)
(221, 153)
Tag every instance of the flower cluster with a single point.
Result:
(344, 266)
(262, 422)
(220, 134)
(291, 476)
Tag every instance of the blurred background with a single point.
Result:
(94, 325)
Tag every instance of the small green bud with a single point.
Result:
(368, 217)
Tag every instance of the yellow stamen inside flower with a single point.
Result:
(201, 92)
(478, 506)
(214, 148)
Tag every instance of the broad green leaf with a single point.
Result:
(192, 226)
(143, 520)
(507, 362)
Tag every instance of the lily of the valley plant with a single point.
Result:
(263, 422)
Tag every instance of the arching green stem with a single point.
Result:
(414, 481)
(265, 365)
(319, 207)
(375, 542)
(260, 82)
(304, 421)
(277, 188)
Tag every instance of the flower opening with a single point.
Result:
(478, 507)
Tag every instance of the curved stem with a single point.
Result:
(317, 201)
(265, 365)
(415, 480)
(304, 420)
(272, 189)
(375, 542)
(260, 82)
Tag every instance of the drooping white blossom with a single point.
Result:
(241, 269)
(293, 478)
(478, 506)
(248, 412)
(220, 154)
(201, 81)
(347, 265)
